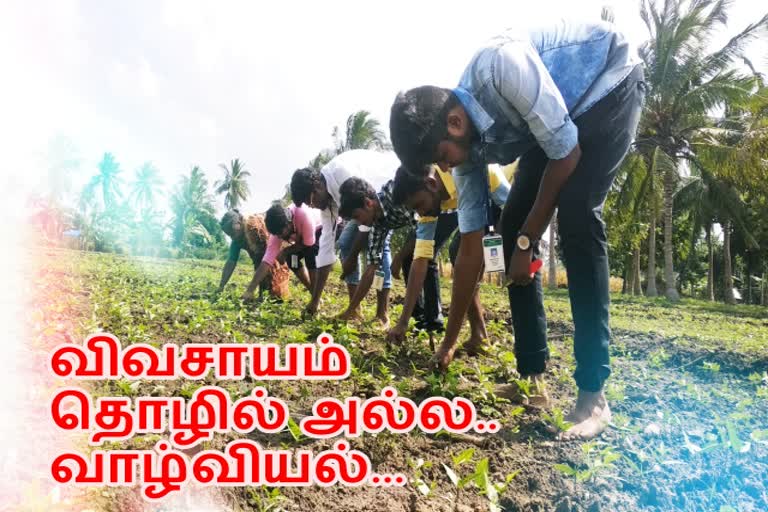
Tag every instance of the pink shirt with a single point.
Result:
(306, 220)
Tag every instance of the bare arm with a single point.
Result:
(226, 273)
(405, 252)
(415, 284)
(556, 174)
(348, 265)
(258, 276)
(466, 273)
(317, 292)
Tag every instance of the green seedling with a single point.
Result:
(557, 420)
(419, 482)
(594, 460)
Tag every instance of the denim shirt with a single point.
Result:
(524, 88)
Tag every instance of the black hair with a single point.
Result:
(303, 183)
(406, 183)
(418, 122)
(230, 218)
(353, 194)
(276, 218)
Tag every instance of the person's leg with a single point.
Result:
(310, 259)
(382, 296)
(526, 302)
(344, 243)
(606, 133)
(301, 274)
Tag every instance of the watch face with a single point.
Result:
(523, 242)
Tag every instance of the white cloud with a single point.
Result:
(184, 82)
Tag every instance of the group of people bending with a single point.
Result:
(564, 101)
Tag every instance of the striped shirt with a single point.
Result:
(393, 217)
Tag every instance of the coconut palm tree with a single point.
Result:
(686, 82)
(194, 216)
(711, 200)
(145, 186)
(234, 185)
(322, 158)
(362, 132)
(107, 181)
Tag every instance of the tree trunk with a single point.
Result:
(669, 271)
(727, 270)
(650, 289)
(764, 290)
(748, 279)
(552, 274)
(626, 286)
(710, 265)
(636, 288)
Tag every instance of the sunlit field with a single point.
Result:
(689, 392)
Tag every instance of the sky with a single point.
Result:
(182, 82)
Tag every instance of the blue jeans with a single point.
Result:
(347, 238)
(606, 132)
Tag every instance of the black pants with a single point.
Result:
(606, 132)
(428, 310)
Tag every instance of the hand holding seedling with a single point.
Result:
(442, 358)
(397, 334)
(310, 310)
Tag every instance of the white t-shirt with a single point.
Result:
(375, 167)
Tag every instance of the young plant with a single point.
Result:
(595, 460)
(419, 482)
(557, 420)
(480, 477)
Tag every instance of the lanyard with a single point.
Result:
(490, 229)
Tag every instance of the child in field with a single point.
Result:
(300, 227)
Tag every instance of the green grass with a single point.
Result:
(694, 323)
(708, 418)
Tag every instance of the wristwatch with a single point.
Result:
(524, 242)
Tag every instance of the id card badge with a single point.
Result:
(294, 261)
(493, 251)
(378, 280)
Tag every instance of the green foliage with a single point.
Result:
(595, 461)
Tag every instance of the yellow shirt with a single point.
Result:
(498, 186)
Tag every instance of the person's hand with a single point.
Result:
(397, 333)
(348, 267)
(519, 273)
(310, 310)
(442, 358)
(397, 265)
